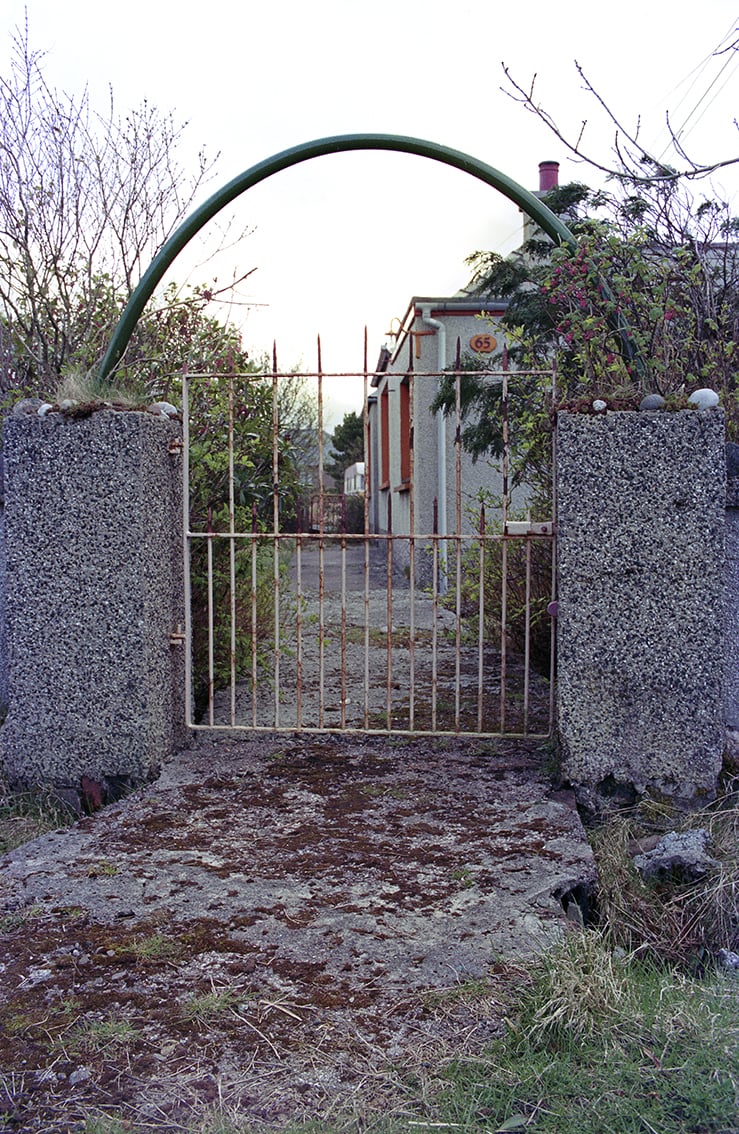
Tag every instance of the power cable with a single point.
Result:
(699, 71)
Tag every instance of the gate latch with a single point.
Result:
(529, 528)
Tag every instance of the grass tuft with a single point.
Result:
(604, 1043)
(26, 815)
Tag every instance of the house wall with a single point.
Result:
(354, 478)
(391, 500)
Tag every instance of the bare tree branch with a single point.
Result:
(85, 197)
(632, 157)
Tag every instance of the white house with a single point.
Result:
(354, 479)
(404, 386)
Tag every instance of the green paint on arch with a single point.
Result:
(544, 217)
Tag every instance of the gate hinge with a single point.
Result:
(177, 637)
(175, 446)
(529, 528)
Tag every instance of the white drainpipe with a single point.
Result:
(440, 329)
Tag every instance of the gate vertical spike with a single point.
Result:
(365, 506)
(321, 543)
(458, 535)
(254, 529)
(412, 554)
(211, 628)
(504, 561)
(389, 635)
(299, 613)
(232, 540)
(553, 626)
(343, 610)
(276, 530)
(527, 640)
(187, 545)
(435, 613)
(481, 621)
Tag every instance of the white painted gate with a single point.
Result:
(304, 616)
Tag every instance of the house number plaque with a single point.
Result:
(483, 344)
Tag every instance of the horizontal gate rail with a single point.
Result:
(296, 622)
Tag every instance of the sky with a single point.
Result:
(344, 242)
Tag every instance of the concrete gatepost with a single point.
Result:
(640, 632)
(731, 712)
(93, 525)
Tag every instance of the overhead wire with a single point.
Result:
(699, 72)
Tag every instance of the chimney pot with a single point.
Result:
(548, 175)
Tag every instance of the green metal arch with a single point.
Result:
(544, 217)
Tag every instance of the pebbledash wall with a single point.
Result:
(94, 590)
(648, 626)
(731, 669)
(642, 625)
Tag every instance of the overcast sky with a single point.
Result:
(346, 240)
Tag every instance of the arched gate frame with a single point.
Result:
(417, 710)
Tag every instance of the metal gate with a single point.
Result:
(310, 609)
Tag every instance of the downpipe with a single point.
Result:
(440, 329)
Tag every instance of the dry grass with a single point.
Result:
(26, 815)
(80, 388)
(683, 924)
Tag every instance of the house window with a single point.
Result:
(405, 434)
(384, 440)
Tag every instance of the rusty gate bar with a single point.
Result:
(389, 625)
(321, 550)
(275, 528)
(435, 629)
(552, 608)
(481, 618)
(458, 537)
(253, 564)
(343, 612)
(232, 544)
(186, 544)
(412, 556)
(365, 515)
(504, 555)
(465, 667)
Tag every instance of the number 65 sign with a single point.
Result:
(483, 344)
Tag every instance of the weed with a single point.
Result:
(156, 947)
(203, 1009)
(467, 991)
(106, 869)
(107, 1124)
(464, 876)
(16, 919)
(98, 1037)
